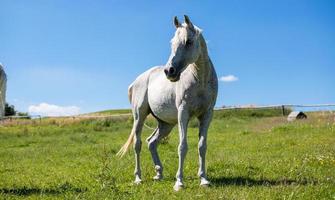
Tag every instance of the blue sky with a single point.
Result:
(84, 54)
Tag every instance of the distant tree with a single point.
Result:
(22, 114)
(9, 110)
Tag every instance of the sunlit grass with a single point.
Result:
(249, 157)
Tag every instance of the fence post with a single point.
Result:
(283, 109)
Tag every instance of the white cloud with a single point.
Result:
(228, 78)
(46, 109)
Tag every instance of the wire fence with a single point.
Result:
(282, 107)
(285, 107)
(40, 117)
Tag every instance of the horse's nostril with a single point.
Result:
(172, 70)
(166, 71)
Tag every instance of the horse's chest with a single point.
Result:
(197, 101)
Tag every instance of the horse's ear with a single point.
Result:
(176, 22)
(188, 22)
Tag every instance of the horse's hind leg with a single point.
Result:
(139, 118)
(160, 132)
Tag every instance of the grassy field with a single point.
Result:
(250, 156)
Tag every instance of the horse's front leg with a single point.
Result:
(183, 118)
(202, 146)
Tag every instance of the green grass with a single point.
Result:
(248, 158)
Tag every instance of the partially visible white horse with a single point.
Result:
(185, 87)
(3, 84)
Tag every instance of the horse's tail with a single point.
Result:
(126, 146)
(130, 140)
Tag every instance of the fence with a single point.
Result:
(10, 118)
(39, 117)
(283, 107)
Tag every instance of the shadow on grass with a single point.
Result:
(25, 191)
(246, 181)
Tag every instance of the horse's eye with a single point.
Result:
(189, 42)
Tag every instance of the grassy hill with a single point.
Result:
(112, 112)
(251, 155)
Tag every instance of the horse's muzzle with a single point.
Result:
(172, 74)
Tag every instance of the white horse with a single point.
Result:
(3, 84)
(185, 87)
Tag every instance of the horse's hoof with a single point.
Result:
(178, 186)
(204, 183)
(158, 177)
(137, 181)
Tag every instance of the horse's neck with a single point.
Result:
(202, 68)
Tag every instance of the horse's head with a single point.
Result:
(185, 48)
